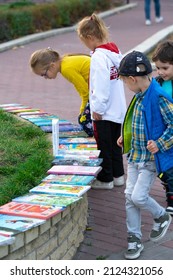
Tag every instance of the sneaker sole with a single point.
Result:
(163, 232)
(134, 256)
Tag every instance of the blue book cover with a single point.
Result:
(18, 224)
(77, 140)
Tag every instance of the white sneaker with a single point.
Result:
(158, 19)
(119, 181)
(102, 185)
(148, 22)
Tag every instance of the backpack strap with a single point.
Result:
(160, 81)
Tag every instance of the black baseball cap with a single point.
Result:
(129, 65)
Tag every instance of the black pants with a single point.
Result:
(106, 134)
(167, 179)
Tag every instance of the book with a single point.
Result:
(55, 136)
(18, 224)
(78, 146)
(7, 232)
(46, 199)
(78, 161)
(19, 110)
(36, 112)
(55, 189)
(6, 240)
(66, 134)
(68, 179)
(78, 154)
(69, 127)
(29, 210)
(77, 140)
(77, 170)
(12, 108)
(10, 105)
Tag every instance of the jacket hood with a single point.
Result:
(112, 51)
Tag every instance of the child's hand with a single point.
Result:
(96, 116)
(120, 141)
(152, 147)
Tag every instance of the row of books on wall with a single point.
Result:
(74, 168)
(43, 119)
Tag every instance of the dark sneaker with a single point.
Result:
(160, 227)
(135, 248)
(169, 210)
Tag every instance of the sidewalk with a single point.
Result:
(106, 234)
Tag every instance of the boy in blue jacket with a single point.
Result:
(163, 59)
(148, 141)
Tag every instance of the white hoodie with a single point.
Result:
(107, 96)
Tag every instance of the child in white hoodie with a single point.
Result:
(107, 99)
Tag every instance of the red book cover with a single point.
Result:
(43, 212)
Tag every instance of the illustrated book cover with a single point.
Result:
(72, 134)
(74, 153)
(68, 179)
(29, 210)
(56, 189)
(77, 170)
(77, 140)
(4, 240)
(18, 224)
(45, 199)
(78, 161)
(78, 146)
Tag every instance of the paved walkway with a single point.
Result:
(105, 237)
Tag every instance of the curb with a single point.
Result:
(43, 35)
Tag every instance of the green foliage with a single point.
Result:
(22, 18)
(25, 157)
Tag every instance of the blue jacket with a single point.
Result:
(153, 123)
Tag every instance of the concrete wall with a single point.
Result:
(57, 239)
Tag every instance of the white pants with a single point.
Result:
(140, 179)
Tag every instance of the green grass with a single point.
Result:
(25, 156)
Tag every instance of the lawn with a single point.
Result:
(26, 155)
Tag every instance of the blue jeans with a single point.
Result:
(147, 8)
(140, 179)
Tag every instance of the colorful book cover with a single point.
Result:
(78, 161)
(71, 134)
(14, 108)
(78, 153)
(4, 240)
(29, 210)
(18, 224)
(10, 105)
(62, 128)
(78, 146)
(45, 199)
(36, 112)
(23, 110)
(68, 179)
(77, 140)
(39, 117)
(77, 170)
(55, 189)
(7, 233)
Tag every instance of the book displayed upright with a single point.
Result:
(29, 210)
(68, 179)
(46, 199)
(76, 170)
(56, 189)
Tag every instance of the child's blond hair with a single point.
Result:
(93, 26)
(42, 58)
